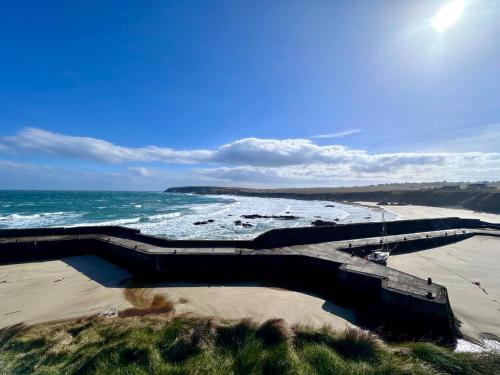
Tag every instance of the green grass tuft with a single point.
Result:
(440, 358)
(183, 345)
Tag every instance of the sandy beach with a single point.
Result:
(470, 270)
(426, 212)
(87, 285)
(458, 267)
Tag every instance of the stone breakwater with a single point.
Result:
(306, 258)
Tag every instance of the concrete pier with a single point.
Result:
(317, 259)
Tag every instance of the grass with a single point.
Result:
(186, 345)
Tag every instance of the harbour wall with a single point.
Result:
(272, 238)
(377, 304)
(380, 300)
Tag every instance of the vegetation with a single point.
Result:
(185, 345)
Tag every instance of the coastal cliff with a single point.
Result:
(485, 200)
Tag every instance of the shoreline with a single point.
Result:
(484, 200)
(426, 212)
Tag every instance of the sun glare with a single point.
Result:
(448, 15)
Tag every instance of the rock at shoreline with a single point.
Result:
(329, 205)
(323, 223)
(203, 222)
(241, 224)
(278, 217)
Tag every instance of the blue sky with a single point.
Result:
(150, 94)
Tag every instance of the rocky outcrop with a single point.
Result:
(278, 217)
(203, 222)
(322, 223)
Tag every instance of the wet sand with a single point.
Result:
(459, 267)
(88, 285)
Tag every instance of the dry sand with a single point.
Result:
(86, 285)
(458, 266)
(426, 212)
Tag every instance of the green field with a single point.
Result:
(184, 345)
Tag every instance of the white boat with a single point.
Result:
(378, 256)
(381, 255)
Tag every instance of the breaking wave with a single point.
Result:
(171, 215)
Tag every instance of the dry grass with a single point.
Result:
(275, 331)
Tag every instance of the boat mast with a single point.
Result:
(384, 232)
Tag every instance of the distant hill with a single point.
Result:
(476, 197)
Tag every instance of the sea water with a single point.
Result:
(170, 214)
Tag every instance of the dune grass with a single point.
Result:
(186, 345)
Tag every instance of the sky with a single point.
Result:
(144, 95)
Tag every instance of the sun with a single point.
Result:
(448, 15)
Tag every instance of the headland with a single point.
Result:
(474, 197)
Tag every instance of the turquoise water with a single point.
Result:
(167, 214)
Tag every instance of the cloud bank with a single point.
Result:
(86, 148)
(266, 161)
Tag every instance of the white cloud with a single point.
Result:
(94, 149)
(266, 161)
(368, 168)
(336, 135)
(275, 152)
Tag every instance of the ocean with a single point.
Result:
(170, 214)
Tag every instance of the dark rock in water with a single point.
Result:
(204, 222)
(329, 205)
(237, 222)
(336, 219)
(254, 216)
(246, 225)
(322, 223)
(287, 212)
(285, 217)
(278, 217)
